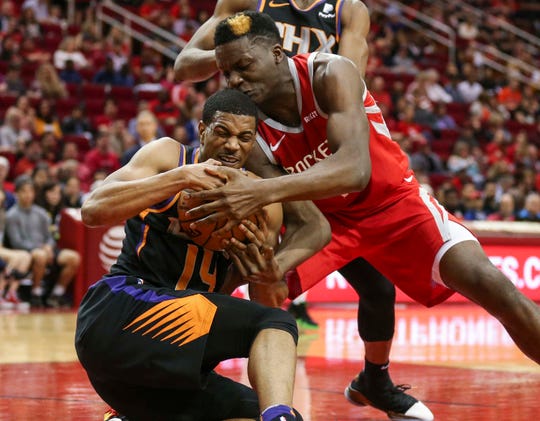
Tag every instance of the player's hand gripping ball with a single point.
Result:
(203, 234)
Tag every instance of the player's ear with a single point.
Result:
(202, 129)
(277, 52)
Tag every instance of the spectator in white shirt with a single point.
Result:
(469, 89)
(68, 51)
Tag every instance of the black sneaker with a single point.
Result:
(57, 301)
(36, 301)
(303, 319)
(393, 400)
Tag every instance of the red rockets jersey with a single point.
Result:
(298, 148)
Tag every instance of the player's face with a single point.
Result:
(249, 66)
(228, 139)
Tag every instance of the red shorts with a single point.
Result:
(401, 242)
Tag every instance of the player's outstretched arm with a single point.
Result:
(197, 61)
(355, 27)
(150, 177)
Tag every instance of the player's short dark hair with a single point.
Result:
(248, 23)
(228, 101)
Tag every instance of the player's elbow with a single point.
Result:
(91, 213)
(361, 175)
(324, 231)
(179, 69)
(88, 214)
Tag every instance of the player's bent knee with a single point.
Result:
(276, 318)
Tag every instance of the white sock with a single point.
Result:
(58, 290)
(37, 291)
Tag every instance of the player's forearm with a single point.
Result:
(307, 231)
(194, 64)
(116, 201)
(330, 177)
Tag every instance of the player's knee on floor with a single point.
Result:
(276, 318)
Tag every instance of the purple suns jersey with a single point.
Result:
(316, 28)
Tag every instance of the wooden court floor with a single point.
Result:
(458, 360)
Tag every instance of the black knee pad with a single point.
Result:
(376, 317)
(276, 318)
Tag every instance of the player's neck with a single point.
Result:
(303, 4)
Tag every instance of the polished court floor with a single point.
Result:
(458, 360)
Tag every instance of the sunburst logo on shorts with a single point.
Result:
(177, 321)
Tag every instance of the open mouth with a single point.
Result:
(229, 161)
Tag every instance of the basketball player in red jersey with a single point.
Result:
(322, 125)
(339, 27)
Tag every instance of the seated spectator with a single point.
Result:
(164, 109)
(48, 84)
(402, 62)
(46, 120)
(40, 9)
(510, 95)
(28, 112)
(147, 130)
(443, 120)
(6, 187)
(50, 199)
(29, 23)
(28, 228)
(109, 116)
(14, 266)
(12, 136)
(435, 92)
(12, 83)
(101, 157)
(379, 93)
(462, 159)
(32, 155)
(68, 50)
(107, 75)
(32, 51)
(148, 64)
(469, 89)
(424, 160)
(118, 48)
(41, 175)
(50, 148)
(77, 123)
(468, 29)
(531, 208)
(125, 77)
(449, 198)
(472, 203)
(506, 211)
(72, 197)
(69, 74)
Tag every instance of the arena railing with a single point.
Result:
(140, 29)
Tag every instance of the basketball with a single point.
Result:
(203, 235)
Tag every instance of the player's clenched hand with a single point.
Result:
(234, 201)
(256, 265)
(197, 176)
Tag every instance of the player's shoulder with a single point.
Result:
(353, 12)
(164, 153)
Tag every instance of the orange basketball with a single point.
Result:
(203, 235)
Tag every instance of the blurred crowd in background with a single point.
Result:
(79, 98)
